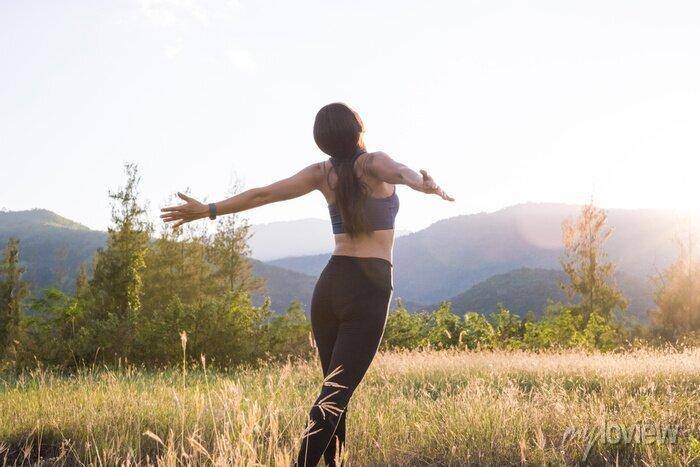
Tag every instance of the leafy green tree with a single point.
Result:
(55, 333)
(177, 269)
(116, 287)
(444, 327)
(190, 277)
(590, 274)
(677, 297)
(558, 328)
(599, 334)
(229, 331)
(157, 340)
(289, 333)
(404, 330)
(13, 291)
(477, 332)
(82, 282)
(507, 328)
(229, 252)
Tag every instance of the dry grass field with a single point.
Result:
(414, 408)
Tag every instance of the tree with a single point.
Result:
(200, 284)
(599, 334)
(289, 334)
(82, 282)
(177, 269)
(558, 328)
(54, 333)
(403, 330)
(228, 252)
(508, 328)
(590, 275)
(478, 332)
(116, 287)
(13, 291)
(444, 327)
(677, 297)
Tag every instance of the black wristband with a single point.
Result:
(212, 211)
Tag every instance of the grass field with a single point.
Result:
(414, 408)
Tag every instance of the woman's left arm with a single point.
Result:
(299, 184)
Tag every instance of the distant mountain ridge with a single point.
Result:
(520, 290)
(530, 289)
(282, 286)
(452, 255)
(20, 221)
(52, 248)
(460, 258)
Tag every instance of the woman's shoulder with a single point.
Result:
(370, 157)
(367, 159)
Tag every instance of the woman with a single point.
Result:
(351, 298)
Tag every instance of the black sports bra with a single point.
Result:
(380, 212)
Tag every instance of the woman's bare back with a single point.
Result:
(376, 244)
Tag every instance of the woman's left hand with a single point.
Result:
(430, 187)
(184, 213)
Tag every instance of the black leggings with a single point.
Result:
(348, 313)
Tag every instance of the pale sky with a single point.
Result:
(503, 102)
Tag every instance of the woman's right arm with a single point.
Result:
(388, 170)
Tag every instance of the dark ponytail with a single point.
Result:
(338, 132)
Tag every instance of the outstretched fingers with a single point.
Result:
(184, 197)
(432, 187)
(441, 193)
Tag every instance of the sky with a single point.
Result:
(503, 102)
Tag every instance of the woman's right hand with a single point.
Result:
(430, 187)
(188, 212)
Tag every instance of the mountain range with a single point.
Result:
(451, 257)
(52, 248)
(511, 256)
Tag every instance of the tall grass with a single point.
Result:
(414, 408)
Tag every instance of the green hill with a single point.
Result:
(476, 259)
(53, 248)
(529, 289)
(452, 255)
(520, 291)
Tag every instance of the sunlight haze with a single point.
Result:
(503, 103)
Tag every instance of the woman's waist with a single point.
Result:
(375, 243)
(359, 273)
(377, 251)
(340, 258)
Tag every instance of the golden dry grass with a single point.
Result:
(414, 408)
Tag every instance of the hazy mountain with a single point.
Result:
(448, 259)
(283, 286)
(52, 248)
(454, 254)
(308, 264)
(520, 290)
(528, 289)
(293, 238)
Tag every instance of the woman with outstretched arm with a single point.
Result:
(351, 299)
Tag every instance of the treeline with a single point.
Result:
(141, 293)
(144, 296)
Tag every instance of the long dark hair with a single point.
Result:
(338, 132)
